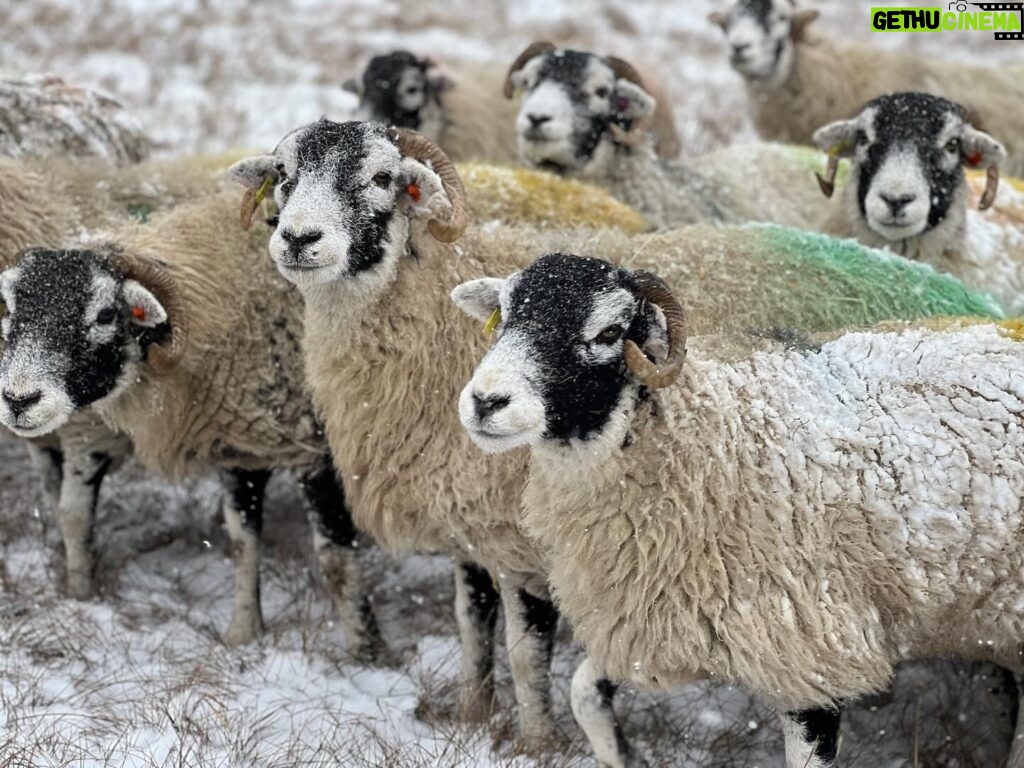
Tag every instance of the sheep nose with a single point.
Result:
(536, 121)
(18, 404)
(297, 243)
(897, 203)
(485, 405)
(738, 49)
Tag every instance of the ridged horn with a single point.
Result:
(419, 147)
(828, 181)
(535, 48)
(157, 278)
(653, 376)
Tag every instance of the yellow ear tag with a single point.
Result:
(838, 149)
(264, 188)
(492, 321)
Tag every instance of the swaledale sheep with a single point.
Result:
(798, 521)
(372, 229)
(180, 336)
(42, 116)
(458, 107)
(907, 190)
(52, 202)
(797, 84)
(589, 117)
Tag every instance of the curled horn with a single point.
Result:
(991, 188)
(642, 126)
(419, 147)
(653, 376)
(828, 181)
(533, 49)
(155, 276)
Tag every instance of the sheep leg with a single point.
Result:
(530, 624)
(48, 464)
(476, 613)
(335, 540)
(812, 738)
(592, 705)
(1016, 756)
(243, 514)
(82, 473)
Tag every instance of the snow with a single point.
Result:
(139, 676)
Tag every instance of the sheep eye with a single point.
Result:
(382, 179)
(609, 335)
(106, 316)
(953, 145)
(601, 92)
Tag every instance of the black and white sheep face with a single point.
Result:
(570, 101)
(403, 90)
(345, 196)
(760, 37)
(74, 333)
(556, 371)
(909, 151)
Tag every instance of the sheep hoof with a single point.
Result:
(243, 630)
(81, 586)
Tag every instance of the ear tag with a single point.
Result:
(264, 188)
(139, 313)
(492, 321)
(974, 159)
(621, 104)
(413, 190)
(838, 149)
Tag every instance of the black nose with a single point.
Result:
(488, 404)
(536, 121)
(738, 49)
(21, 403)
(897, 203)
(298, 243)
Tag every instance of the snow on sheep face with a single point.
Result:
(400, 89)
(556, 372)
(75, 333)
(570, 101)
(345, 196)
(909, 151)
(761, 36)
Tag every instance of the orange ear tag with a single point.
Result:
(974, 159)
(139, 314)
(414, 192)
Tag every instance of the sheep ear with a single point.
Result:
(352, 86)
(837, 139)
(440, 83)
(719, 19)
(980, 150)
(422, 194)
(801, 21)
(144, 308)
(258, 175)
(479, 298)
(631, 101)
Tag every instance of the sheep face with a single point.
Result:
(75, 332)
(571, 101)
(909, 151)
(402, 90)
(556, 372)
(761, 35)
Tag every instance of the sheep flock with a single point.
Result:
(472, 385)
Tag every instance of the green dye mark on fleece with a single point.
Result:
(828, 284)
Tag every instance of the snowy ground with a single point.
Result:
(138, 677)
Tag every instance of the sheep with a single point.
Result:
(908, 191)
(797, 521)
(43, 116)
(180, 337)
(457, 107)
(53, 202)
(372, 230)
(589, 117)
(797, 84)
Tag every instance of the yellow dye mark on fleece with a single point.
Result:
(1012, 328)
(492, 322)
(523, 196)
